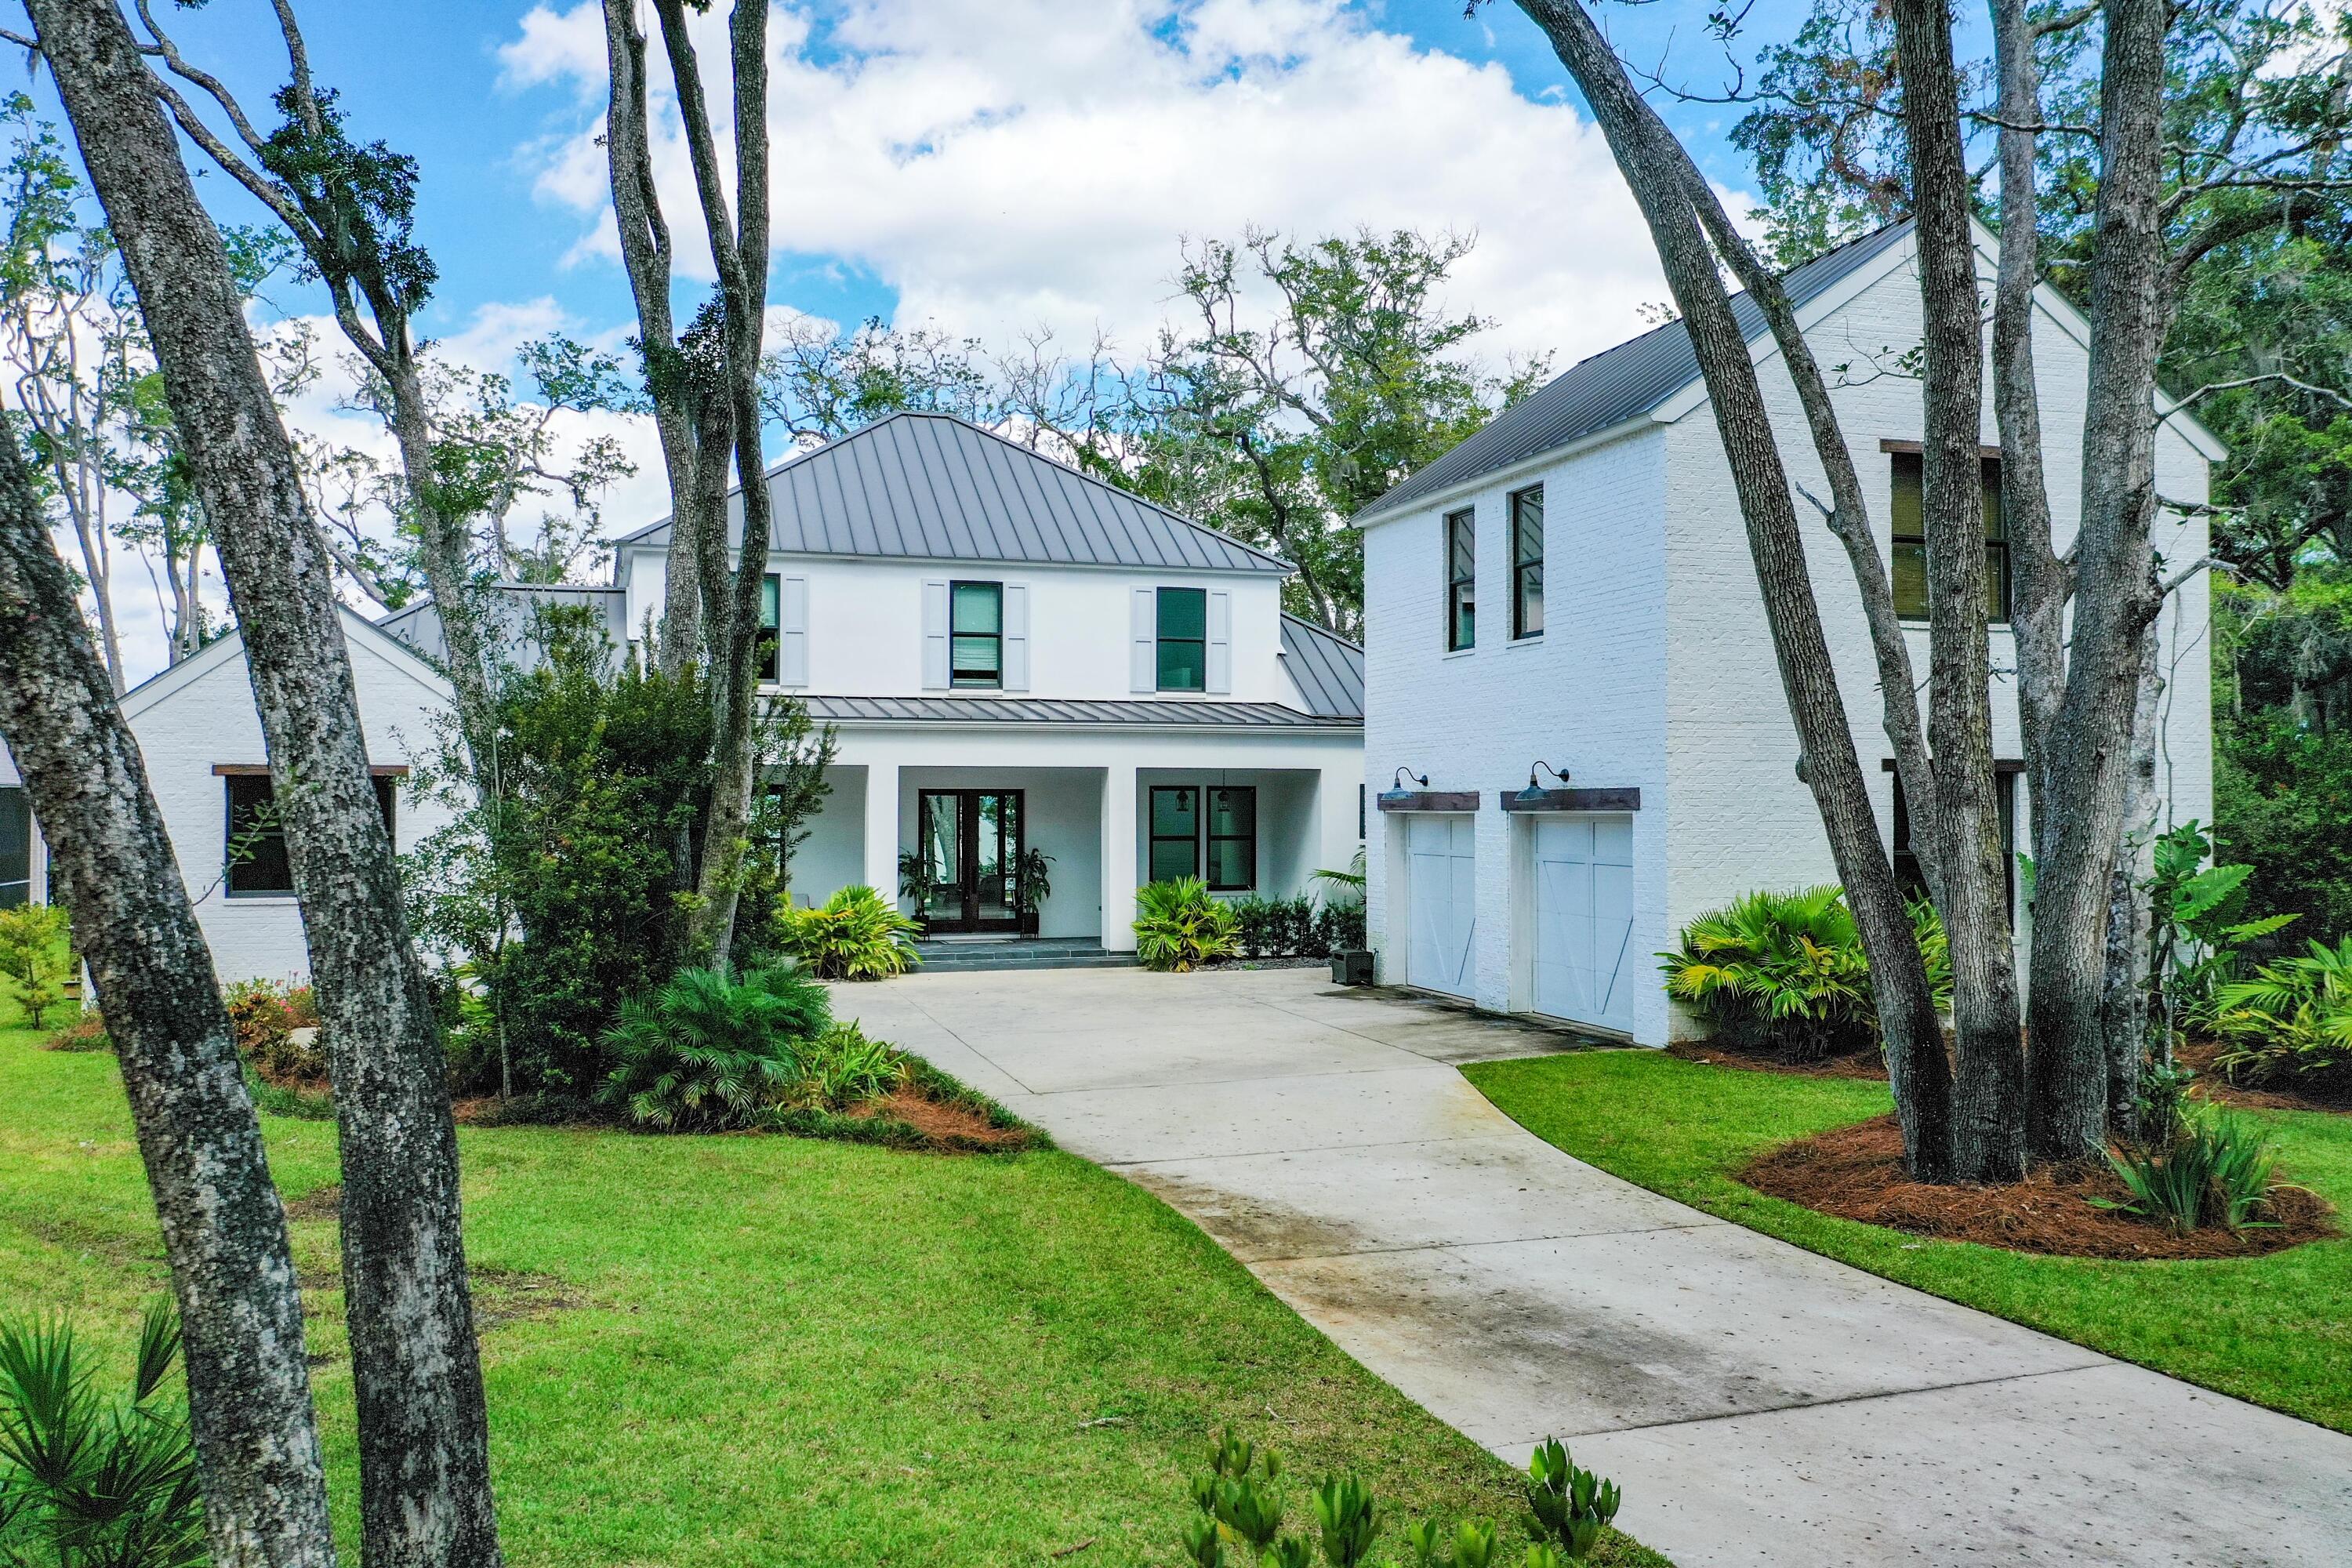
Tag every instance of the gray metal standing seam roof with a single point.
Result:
(1328, 670)
(1068, 711)
(509, 607)
(931, 487)
(1616, 384)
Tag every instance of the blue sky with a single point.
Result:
(429, 76)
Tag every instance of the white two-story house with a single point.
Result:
(1016, 658)
(1570, 589)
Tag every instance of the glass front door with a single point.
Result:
(971, 856)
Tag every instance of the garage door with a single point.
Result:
(1440, 894)
(1584, 919)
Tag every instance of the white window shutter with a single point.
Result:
(792, 632)
(1221, 643)
(935, 637)
(1143, 668)
(1016, 637)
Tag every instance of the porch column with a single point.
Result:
(1118, 859)
(882, 830)
(1338, 796)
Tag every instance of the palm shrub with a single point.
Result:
(853, 935)
(2293, 1021)
(1179, 927)
(90, 1480)
(840, 1068)
(2218, 1169)
(706, 1053)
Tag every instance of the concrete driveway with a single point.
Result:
(1759, 1404)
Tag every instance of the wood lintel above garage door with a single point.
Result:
(1429, 800)
(1571, 799)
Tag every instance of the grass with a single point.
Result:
(748, 1350)
(2274, 1330)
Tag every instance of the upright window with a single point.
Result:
(16, 847)
(1910, 551)
(1461, 580)
(1175, 832)
(1907, 874)
(255, 851)
(1527, 563)
(1184, 639)
(976, 639)
(772, 603)
(1233, 837)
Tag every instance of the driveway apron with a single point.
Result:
(1759, 1405)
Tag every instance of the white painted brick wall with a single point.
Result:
(1658, 670)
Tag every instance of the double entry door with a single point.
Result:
(969, 844)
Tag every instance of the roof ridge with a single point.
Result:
(1320, 630)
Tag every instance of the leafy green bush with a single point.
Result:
(840, 1067)
(2293, 1021)
(854, 935)
(2218, 1169)
(94, 1481)
(1784, 974)
(264, 1016)
(1179, 927)
(1341, 923)
(705, 1054)
(1278, 928)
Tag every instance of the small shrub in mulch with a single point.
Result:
(1856, 1172)
(2313, 1091)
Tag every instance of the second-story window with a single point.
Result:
(1910, 541)
(1183, 623)
(976, 640)
(1527, 563)
(771, 607)
(1461, 580)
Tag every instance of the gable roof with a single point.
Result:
(1620, 383)
(508, 606)
(1328, 670)
(357, 629)
(930, 487)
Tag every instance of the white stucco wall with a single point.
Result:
(865, 623)
(1656, 668)
(1587, 695)
(189, 720)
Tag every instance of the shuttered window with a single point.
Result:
(976, 639)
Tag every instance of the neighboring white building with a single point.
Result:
(1013, 654)
(1572, 586)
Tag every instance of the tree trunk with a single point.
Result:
(2136, 1033)
(1917, 1067)
(1989, 1122)
(425, 1488)
(739, 255)
(224, 1231)
(2115, 602)
(445, 551)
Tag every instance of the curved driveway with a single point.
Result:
(1759, 1404)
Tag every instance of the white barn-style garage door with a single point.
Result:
(1584, 919)
(1440, 900)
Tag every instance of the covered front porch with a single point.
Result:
(1008, 840)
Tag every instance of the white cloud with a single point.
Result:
(1008, 163)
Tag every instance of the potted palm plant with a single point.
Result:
(1034, 886)
(917, 882)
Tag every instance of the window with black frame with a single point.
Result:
(1914, 881)
(1908, 507)
(1527, 563)
(1233, 837)
(254, 852)
(1175, 832)
(1183, 630)
(976, 634)
(764, 651)
(1460, 581)
(15, 847)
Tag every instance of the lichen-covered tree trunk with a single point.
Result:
(2134, 1031)
(1646, 154)
(256, 1442)
(424, 1484)
(2115, 599)
(1989, 1131)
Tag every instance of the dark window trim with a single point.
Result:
(1523, 565)
(1163, 641)
(1211, 838)
(768, 651)
(386, 779)
(2004, 583)
(1155, 838)
(1461, 585)
(996, 679)
(1905, 861)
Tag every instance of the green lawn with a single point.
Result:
(2275, 1330)
(753, 1351)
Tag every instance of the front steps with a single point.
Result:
(950, 957)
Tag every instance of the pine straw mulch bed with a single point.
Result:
(1868, 1064)
(2331, 1092)
(1856, 1172)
